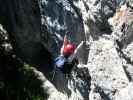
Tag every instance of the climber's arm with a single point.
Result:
(66, 41)
(64, 44)
(78, 47)
(74, 55)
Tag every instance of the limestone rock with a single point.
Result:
(106, 69)
(125, 93)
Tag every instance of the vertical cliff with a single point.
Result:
(22, 20)
(35, 31)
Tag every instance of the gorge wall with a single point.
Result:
(36, 30)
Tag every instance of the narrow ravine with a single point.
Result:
(31, 36)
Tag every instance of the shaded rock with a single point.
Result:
(75, 86)
(23, 21)
(95, 14)
(80, 17)
(83, 81)
(5, 44)
(128, 61)
(128, 51)
(17, 80)
(130, 2)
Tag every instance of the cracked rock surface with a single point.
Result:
(105, 70)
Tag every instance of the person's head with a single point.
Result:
(69, 49)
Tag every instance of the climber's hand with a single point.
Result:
(65, 40)
(82, 43)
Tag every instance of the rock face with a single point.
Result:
(105, 71)
(109, 61)
(23, 21)
(95, 15)
(81, 17)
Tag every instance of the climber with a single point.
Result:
(68, 56)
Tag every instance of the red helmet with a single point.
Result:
(69, 49)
